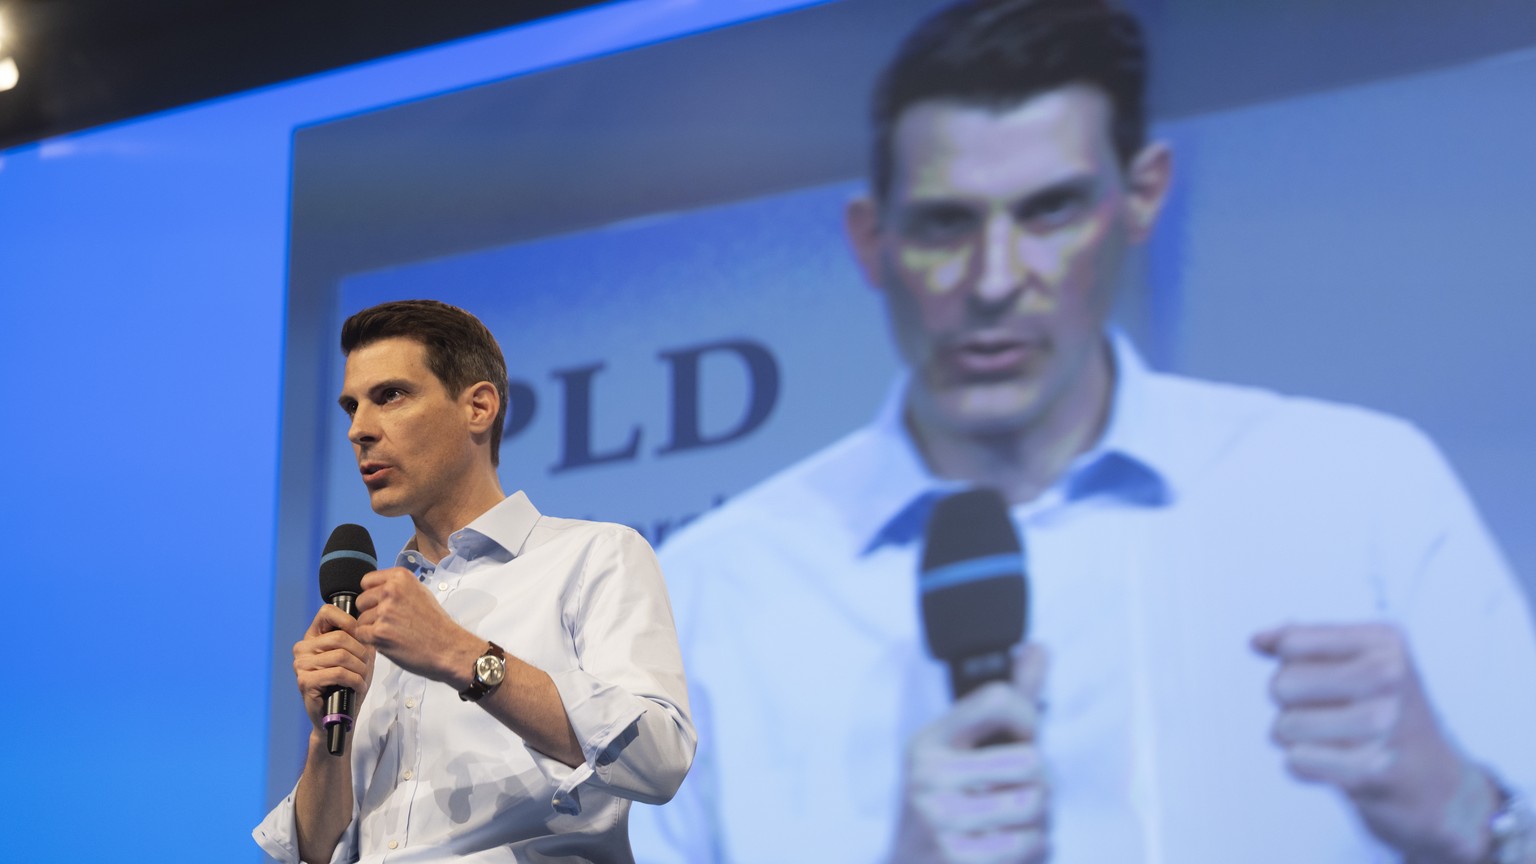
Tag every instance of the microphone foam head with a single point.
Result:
(974, 596)
(347, 558)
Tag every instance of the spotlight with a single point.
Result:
(9, 74)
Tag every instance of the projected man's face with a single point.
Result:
(998, 249)
(410, 435)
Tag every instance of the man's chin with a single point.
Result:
(989, 409)
(384, 503)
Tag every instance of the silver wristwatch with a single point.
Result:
(486, 675)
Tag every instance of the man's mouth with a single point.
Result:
(988, 355)
(374, 473)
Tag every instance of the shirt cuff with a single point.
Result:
(599, 713)
(278, 834)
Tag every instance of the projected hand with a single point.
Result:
(973, 804)
(398, 615)
(1353, 715)
(328, 656)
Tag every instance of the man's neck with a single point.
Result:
(437, 524)
(1024, 461)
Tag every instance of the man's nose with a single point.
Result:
(362, 429)
(1003, 272)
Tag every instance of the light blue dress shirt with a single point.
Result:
(439, 779)
(1206, 513)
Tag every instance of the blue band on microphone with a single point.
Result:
(975, 569)
(351, 553)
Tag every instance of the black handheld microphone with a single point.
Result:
(975, 592)
(347, 558)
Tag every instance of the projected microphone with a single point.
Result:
(347, 558)
(975, 596)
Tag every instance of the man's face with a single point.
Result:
(998, 249)
(411, 436)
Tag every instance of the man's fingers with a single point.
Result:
(1321, 682)
(317, 682)
(985, 804)
(339, 657)
(981, 769)
(375, 578)
(1354, 769)
(1353, 716)
(994, 711)
(1013, 808)
(1341, 724)
(1029, 670)
(377, 584)
(331, 641)
(1321, 641)
(330, 618)
(994, 847)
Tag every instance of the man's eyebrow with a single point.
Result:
(1082, 183)
(1075, 184)
(399, 383)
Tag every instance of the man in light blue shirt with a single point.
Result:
(517, 675)
(1265, 628)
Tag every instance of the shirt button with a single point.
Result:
(394, 844)
(442, 586)
(410, 703)
(408, 774)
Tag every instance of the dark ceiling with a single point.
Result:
(88, 62)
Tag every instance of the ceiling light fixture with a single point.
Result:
(9, 74)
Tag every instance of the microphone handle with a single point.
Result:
(338, 702)
(968, 673)
(338, 719)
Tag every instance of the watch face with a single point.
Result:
(489, 670)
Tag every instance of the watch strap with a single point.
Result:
(478, 689)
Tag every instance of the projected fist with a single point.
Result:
(970, 801)
(1353, 715)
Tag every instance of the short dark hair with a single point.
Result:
(460, 350)
(998, 53)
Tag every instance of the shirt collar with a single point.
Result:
(895, 489)
(1137, 459)
(501, 531)
(1134, 459)
(1163, 423)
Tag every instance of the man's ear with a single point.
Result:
(861, 222)
(481, 404)
(1147, 180)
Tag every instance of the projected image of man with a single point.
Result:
(1262, 627)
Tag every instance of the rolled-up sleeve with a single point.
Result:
(626, 699)
(278, 834)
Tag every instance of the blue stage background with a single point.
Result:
(1364, 240)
